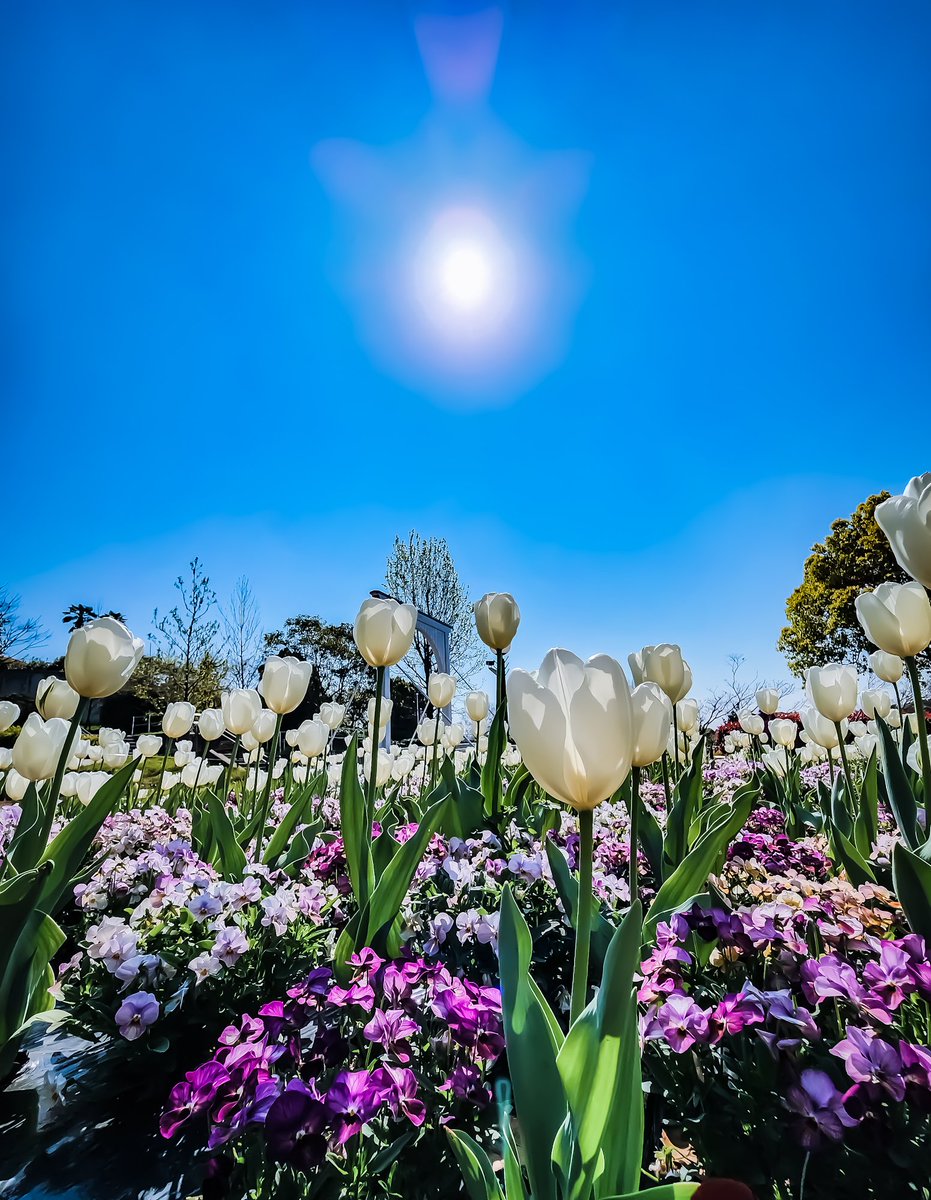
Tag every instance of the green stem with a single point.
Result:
(169, 744)
(675, 742)
(267, 797)
(501, 699)
(583, 915)
(665, 779)
(436, 750)
(851, 795)
(915, 678)
(227, 783)
(372, 780)
(51, 803)
(634, 832)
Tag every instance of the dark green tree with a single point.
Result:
(822, 621)
(340, 672)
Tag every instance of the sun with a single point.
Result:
(466, 275)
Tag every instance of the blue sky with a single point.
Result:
(709, 222)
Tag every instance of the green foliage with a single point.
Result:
(339, 671)
(822, 623)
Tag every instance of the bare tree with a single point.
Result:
(242, 634)
(187, 634)
(737, 693)
(421, 571)
(18, 635)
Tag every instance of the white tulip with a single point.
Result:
(875, 702)
(821, 730)
(767, 700)
(56, 698)
(687, 713)
(651, 722)
(887, 667)
(833, 690)
(441, 688)
(571, 721)
(284, 683)
(896, 617)
(210, 724)
(178, 719)
(240, 708)
(783, 732)
(664, 664)
(384, 631)
(101, 657)
(312, 738)
(15, 785)
(496, 620)
(39, 745)
(332, 714)
(906, 522)
(148, 745)
(751, 723)
(9, 712)
(263, 727)
(477, 705)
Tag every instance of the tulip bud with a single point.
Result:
(651, 722)
(751, 723)
(477, 706)
(875, 702)
(496, 619)
(896, 617)
(687, 713)
(240, 709)
(148, 745)
(332, 714)
(777, 761)
(783, 732)
(384, 715)
(384, 631)
(312, 738)
(263, 727)
(101, 657)
(15, 785)
(441, 689)
(56, 698)
(572, 724)
(906, 522)
(887, 667)
(426, 732)
(38, 747)
(767, 700)
(284, 683)
(832, 690)
(210, 724)
(663, 664)
(821, 730)
(178, 719)
(453, 735)
(8, 714)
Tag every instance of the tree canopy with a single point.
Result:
(822, 621)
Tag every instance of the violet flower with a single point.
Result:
(294, 1127)
(136, 1014)
(871, 1061)
(821, 1108)
(354, 1097)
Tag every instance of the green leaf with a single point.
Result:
(599, 1064)
(568, 888)
(686, 798)
(396, 878)
(491, 768)
(859, 869)
(701, 861)
(26, 846)
(651, 840)
(356, 839)
(296, 814)
(477, 1172)
(383, 1160)
(666, 1191)
(911, 878)
(866, 826)
(300, 848)
(539, 1098)
(899, 792)
(466, 810)
(231, 856)
(67, 851)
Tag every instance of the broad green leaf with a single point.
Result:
(911, 878)
(599, 1064)
(651, 840)
(396, 878)
(68, 850)
(356, 838)
(491, 768)
(299, 813)
(702, 860)
(859, 869)
(666, 1191)
(686, 799)
(539, 1099)
(477, 1172)
(866, 826)
(568, 888)
(899, 794)
(25, 848)
(231, 856)
(301, 846)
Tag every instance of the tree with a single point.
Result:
(185, 654)
(18, 634)
(823, 624)
(76, 616)
(242, 634)
(340, 672)
(421, 571)
(737, 693)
